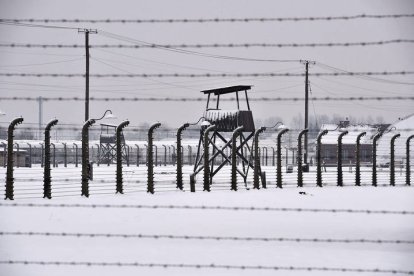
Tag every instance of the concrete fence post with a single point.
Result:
(179, 161)
(47, 180)
(206, 149)
(30, 154)
(358, 159)
(319, 181)
(137, 154)
(374, 158)
(392, 159)
(54, 154)
(257, 168)
(339, 157)
(10, 160)
(408, 165)
(299, 157)
(150, 153)
(76, 154)
(279, 183)
(86, 167)
(236, 133)
(119, 180)
(65, 155)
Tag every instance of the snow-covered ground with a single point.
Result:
(205, 222)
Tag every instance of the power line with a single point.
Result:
(12, 23)
(214, 20)
(204, 207)
(215, 238)
(335, 69)
(181, 99)
(188, 52)
(212, 45)
(209, 75)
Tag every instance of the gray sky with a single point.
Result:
(394, 57)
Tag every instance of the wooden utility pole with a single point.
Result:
(87, 32)
(305, 140)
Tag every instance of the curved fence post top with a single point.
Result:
(324, 132)
(377, 136)
(342, 134)
(303, 132)
(51, 123)
(361, 135)
(210, 128)
(237, 130)
(183, 127)
(154, 126)
(88, 123)
(283, 131)
(395, 136)
(122, 125)
(15, 122)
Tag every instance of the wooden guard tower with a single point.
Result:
(220, 139)
(107, 141)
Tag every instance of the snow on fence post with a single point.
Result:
(319, 181)
(47, 180)
(206, 178)
(85, 157)
(279, 183)
(179, 156)
(10, 161)
(407, 169)
(119, 184)
(150, 157)
(236, 133)
(358, 159)
(257, 168)
(339, 161)
(299, 157)
(374, 158)
(392, 159)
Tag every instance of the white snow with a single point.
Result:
(205, 223)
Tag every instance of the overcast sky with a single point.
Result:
(393, 57)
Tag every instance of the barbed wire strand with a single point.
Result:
(214, 20)
(204, 266)
(212, 45)
(209, 75)
(216, 238)
(180, 99)
(204, 207)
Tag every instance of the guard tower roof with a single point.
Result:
(226, 90)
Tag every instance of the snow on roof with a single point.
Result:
(404, 127)
(350, 138)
